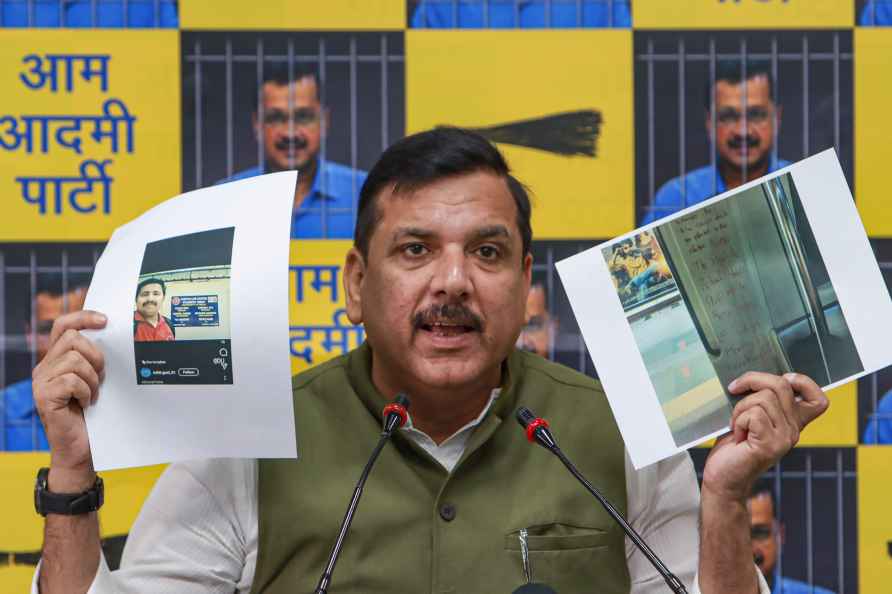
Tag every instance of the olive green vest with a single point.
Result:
(419, 529)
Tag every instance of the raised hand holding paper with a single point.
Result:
(774, 276)
(196, 345)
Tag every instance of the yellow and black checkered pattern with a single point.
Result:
(481, 79)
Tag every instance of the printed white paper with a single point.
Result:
(196, 347)
(776, 276)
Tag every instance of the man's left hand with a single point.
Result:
(765, 425)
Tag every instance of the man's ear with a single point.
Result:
(354, 274)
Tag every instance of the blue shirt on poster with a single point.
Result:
(876, 13)
(87, 13)
(22, 429)
(328, 210)
(698, 186)
(879, 425)
(522, 14)
(784, 585)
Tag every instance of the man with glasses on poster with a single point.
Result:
(21, 429)
(742, 128)
(767, 535)
(290, 123)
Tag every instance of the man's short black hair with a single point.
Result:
(52, 283)
(280, 75)
(764, 486)
(151, 281)
(426, 157)
(731, 71)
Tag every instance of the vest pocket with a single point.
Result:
(570, 559)
(557, 537)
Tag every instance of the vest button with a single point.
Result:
(447, 512)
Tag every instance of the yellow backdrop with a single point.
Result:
(487, 78)
(143, 73)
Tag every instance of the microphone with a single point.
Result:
(537, 431)
(395, 416)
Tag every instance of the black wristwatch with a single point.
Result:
(66, 504)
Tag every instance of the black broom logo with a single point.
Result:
(570, 133)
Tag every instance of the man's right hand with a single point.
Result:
(66, 382)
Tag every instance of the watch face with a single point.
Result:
(39, 488)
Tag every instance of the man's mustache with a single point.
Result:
(736, 142)
(155, 303)
(295, 143)
(453, 313)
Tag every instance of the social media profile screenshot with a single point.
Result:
(181, 324)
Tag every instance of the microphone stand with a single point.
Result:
(537, 430)
(394, 417)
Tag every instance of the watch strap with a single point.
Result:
(69, 504)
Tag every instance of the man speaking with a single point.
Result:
(439, 275)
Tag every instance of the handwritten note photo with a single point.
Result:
(774, 276)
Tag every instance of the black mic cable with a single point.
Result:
(537, 432)
(395, 416)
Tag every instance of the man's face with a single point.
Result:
(765, 533)
(291, 144)
(149, 300)
(48, 307)
(443, 292)
(538, 332)
(735, 144)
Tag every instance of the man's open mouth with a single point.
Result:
(447, 328)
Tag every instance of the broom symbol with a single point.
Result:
(570, 133)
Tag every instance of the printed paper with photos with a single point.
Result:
(181, 325)
(774, 277)
(213, 267)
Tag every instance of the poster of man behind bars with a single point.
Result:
(325, 104)
(716, 109)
